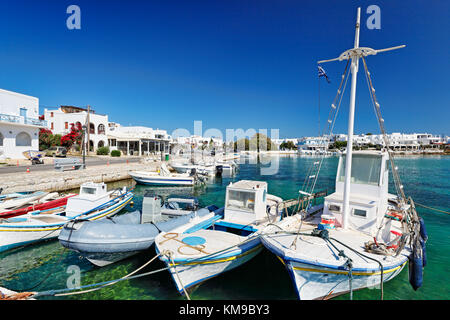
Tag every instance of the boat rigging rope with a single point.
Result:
(411, 223)
(332, 116)
(376, 106)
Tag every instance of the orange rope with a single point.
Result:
(16, 296)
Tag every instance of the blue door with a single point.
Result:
(23, 112)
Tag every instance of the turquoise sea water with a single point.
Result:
(48, 265)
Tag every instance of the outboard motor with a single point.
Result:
(151, 208)
(193, 172)
(194, 206)
(219, 171)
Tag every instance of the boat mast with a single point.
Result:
(351, 118)
(354, 54)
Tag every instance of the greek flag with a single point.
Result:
(322, 73)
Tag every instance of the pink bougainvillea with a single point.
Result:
(74, 136)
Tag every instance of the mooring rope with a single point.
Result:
(111, 283)
(100, 285)
(325, 236)
(427, 207)
(103, 284)
(169, 255)
(61, 292)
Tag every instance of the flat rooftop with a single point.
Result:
(249, 184)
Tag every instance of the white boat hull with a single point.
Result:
(316, 269)
(210, 171)
(313, 282)
(181, 168)
(188, 275)
(104, 259)
(16, 232)
(157, 180)
(21, 200)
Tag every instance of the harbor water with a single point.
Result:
(48, 265)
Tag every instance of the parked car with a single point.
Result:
(56, 152)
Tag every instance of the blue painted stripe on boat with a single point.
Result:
(18, 244)
(203, 225)
(16, 219)
(287, 259)
(105, 211)
(170, 180)
(124, 196)
(162, 179)
(159, 182)
(235, 226)
(203, 279)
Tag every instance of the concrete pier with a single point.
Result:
(56, 181)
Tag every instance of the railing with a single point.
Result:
(22, 120)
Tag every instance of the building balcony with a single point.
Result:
(13, 119)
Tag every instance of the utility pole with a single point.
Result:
(84, 146)
(88, 125)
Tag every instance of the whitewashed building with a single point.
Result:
(19, 124)
(59, 122)
(312, 145)
(199, 141)
(397, 140)
(137, 140)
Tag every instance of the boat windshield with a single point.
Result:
(366, 169)
(241, 200)
(87, 190)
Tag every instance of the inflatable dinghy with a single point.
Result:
(115, 238)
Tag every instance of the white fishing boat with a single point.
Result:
(93, 202)
(364, 236)
(16, 200)
(222, 243)
(164, 177)
(229, 167)
(187, 167)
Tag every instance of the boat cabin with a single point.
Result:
(368, 191)
(91, 196)
(245, 202)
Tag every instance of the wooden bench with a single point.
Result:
(68, 164)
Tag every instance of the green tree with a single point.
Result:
(241, 145)
(104, 151)
(261, 142)
(338, 145)
(47, 139)
(288, 145)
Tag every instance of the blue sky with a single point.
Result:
(231, 64)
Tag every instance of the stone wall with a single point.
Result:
(56, 181)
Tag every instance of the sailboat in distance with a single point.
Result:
(363, 236)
